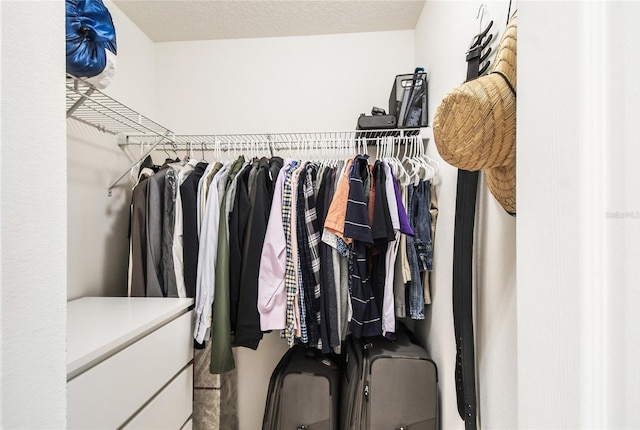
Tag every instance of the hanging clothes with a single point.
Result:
(221, 356)
(155, 286)
(169, 287)
(308, 233)
(189, 190)
(316, 250)
(261, 195)
(402, 269)
(238, 219)
(272, 294)
(291, 328)
(178, 230)
(138, 238)
(383, 235)
(330, 300)
(366, 320)
(208, 250)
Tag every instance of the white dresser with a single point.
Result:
(129, 363)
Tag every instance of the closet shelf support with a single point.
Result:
(80, 101)
(163, 139)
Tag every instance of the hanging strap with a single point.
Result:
(463, 296)
(463, 278)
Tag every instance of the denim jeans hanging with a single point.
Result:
(421, 223)
(414, 288)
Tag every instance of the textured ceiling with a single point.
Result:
(176, 20)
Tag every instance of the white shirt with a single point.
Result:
(203, 188)
(207, 256)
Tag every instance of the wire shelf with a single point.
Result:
(90, 106)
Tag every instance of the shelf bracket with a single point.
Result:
(149, 151)
(81, 100)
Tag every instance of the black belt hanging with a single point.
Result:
(465, 374)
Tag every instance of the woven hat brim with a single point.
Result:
(474, 125)
(506, 55)
(502, 184)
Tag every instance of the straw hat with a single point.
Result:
(475, 125)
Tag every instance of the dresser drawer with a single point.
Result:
(108, 394)
(171, 408)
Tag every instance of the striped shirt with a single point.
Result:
(365, 321)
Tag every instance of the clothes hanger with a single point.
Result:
(429, 170)
(477, 39)
(202, 144)
(236, 148)
(387, 151)
(216, 148)
(265, 149)
(321, 144)
(480, 43)
(328, 150)
(394, 160)
(420, 169)
(404, 162)
(415, 168)
(433, 164)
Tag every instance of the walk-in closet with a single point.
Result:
(553, 297)
(279, 88)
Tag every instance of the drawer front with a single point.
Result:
(108, 394)
(171, 408)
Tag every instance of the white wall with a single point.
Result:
(33, 192)
(579, 217)
(1, 259)
(314, 83)
(135, 83)
(443, 35)
(616, 140)
(97, 236)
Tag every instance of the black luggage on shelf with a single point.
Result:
(303, 392)
(376, 122)
(388, 385)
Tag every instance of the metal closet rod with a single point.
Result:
(271, 141)
(284, 139)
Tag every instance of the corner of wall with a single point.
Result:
(33, 193)
(443, 33)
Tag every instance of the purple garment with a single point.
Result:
(402, 212)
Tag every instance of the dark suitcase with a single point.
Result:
(303, 392)
(388, 386)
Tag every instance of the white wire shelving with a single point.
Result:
(88, 105)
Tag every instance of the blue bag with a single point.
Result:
(91, 41)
